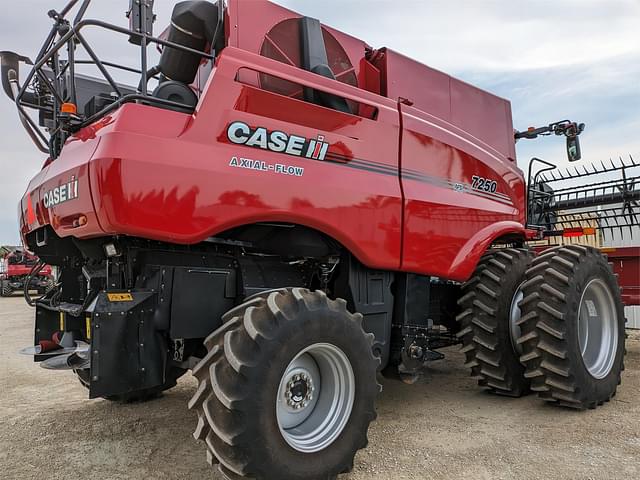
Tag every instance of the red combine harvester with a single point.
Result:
(19, 269)
(286, 211)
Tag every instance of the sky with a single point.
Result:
(574, 59)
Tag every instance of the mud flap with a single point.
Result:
(127, 353)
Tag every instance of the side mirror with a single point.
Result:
(573, 148)
(10, 70)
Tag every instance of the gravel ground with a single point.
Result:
(443, 427)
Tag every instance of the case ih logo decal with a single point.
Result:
(242, 134)
(61, 194)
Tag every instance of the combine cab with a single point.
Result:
(19, 269)
(286, 211)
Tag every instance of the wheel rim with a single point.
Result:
(598, 328)
(315, 397)
(514, 317)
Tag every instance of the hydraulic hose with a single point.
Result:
(37, 268)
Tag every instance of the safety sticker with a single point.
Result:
(262, 166)
(591, 308)
(120, 297)
(88, 326)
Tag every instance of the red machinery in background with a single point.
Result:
(626, 264)
(19, 268)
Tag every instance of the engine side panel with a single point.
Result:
(462, 187)
(186, 188)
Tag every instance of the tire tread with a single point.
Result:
(544, 325)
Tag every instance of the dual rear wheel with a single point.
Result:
(573, 327)
(489, 315)
(553, 324)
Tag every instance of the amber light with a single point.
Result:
(81, 221)
(578, 232)
(69, 108)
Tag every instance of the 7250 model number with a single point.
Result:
(484, 184)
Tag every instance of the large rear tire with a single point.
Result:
(573, 327)
(489, 313)
(287, 390)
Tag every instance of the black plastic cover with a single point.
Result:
(178, 93)
(200, 297)
(193, 25)
(97, 103)
(412, 299)
(314, 59)
(266, 273)
(127, 352)
(369, 293)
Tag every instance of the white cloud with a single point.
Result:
(499, 35)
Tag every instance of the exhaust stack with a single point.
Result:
(193, 25)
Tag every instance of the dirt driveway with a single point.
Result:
(443, 427)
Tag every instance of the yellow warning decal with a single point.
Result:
(88, 321)
(62, 321)
(120, 297)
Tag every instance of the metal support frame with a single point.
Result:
(49, 56)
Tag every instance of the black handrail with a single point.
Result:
(49, 56)
(532, 181)
(68, 8)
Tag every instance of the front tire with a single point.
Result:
(573, 327)
(287, 390)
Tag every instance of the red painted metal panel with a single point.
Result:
(426, 88)
(448, 225)
(480, 114)
(483, 115)
(626, 263)
(22, 270)
(181, 188)
(70, 167)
